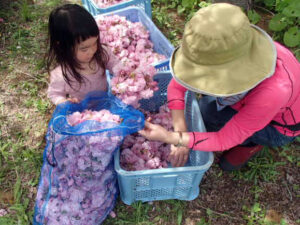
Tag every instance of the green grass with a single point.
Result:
(262, 167)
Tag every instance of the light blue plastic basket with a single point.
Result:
(168, 183)
(161, 44)
(91, 6)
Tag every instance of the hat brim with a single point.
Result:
(230, 78)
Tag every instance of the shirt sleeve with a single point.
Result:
(113, 60)
(259, 108)
(176, 94)
(56, 90)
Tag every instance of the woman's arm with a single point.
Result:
(176, 94)
(260, 107)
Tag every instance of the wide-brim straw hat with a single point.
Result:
(221, 53)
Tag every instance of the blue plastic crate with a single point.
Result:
(168, 183)
(161, 44)
(91, 6)
(163, 66)
(160, 97)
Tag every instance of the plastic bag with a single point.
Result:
(78, 184)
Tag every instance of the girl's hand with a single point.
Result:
(179, 156)
(154, 132)
(73, 100)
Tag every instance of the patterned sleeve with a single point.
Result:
(259, 107)
(113, 60)
(56, 90)
(176, 94)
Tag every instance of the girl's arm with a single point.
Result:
(56, 90)
(113, 60)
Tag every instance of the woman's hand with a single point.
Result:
(154, 132)
(179, 156)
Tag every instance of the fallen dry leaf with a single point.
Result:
(273, 216)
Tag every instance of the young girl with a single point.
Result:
(78, 182)
(77, 55)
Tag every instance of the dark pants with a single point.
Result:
(214, 120)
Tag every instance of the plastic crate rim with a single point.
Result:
(204, 167)
(122, 10)
(112, 6)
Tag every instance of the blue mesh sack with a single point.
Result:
(78, 184)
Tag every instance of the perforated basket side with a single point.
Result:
(163, 66)
(167, 183)
(145, 5)
(160, 96)
(195, 123)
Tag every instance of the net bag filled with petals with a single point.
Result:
(78, 184)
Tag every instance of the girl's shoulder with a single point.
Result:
(108, 50)
(112, 59)
(56, 73)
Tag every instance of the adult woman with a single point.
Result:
(251, 88)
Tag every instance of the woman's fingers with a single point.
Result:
(178, 156)
(146, 129)
(149, 125)
(142, 132)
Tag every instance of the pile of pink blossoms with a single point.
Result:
(139, 153)
(78, 184)
(100, 116)
(133, 78)
(107, 3)
(129, 41)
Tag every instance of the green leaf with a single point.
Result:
(179, 217)
(17, 190)
(187, 3)
(270, 2)
(256, 207)
(297, 54)
(253, 16)
(278, 23)
(180, 9)
(203, 4)
(292, 10)
(291, 37)
(209, 212)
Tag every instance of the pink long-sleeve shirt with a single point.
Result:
(277, 98)
(59, 89)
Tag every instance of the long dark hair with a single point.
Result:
(69, 25)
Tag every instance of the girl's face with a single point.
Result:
(85, 50)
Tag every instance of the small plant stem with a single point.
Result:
(221, 214)
(264, 9)
(297, 50)
(29, 75)
(289, 191)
